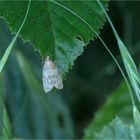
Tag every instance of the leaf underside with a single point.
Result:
(54, 30)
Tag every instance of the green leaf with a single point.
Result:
(119, 103)
(53, 27)
(117, 129)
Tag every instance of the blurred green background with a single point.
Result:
(89, 84)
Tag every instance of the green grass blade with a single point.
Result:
(4, 118)
(130, 66)
(9, 49)
(6, 130)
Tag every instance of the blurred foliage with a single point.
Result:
(89, 84)
(119, 103)
(117, 129)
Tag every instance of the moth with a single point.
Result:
(51, 76)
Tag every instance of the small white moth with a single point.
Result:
(51, 76)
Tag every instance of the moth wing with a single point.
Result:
(47, 85)
(58, 82)
(51, 76)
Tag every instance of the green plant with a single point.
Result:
(60, 30)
